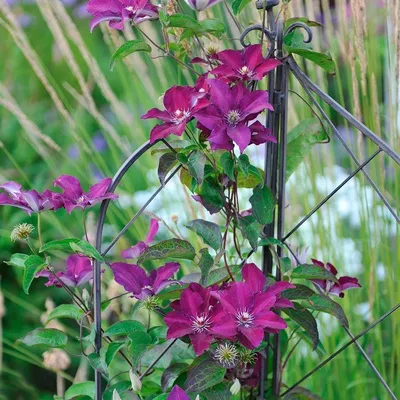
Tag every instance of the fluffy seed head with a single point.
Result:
(22, 232)
(150, 303)
(227, 355)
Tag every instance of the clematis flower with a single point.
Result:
(200, 5)
(246, 64)
(180, 102)
(199, 316)
(334, 288)
(228, 115)
(251, 312)
(135, 280)
(27, 200)
(79, 271)
(136, 250)
(74, 197)
(117, 12)
(177, 394)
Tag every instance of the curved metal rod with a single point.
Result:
(258, 27)
(300, 25)
(304, 79)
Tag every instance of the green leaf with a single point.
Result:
(211, 194)
(183, 21)
(140, 341)
(323, 60)
(166, 163)
(238, 5)
(61, 245)
(84, 247)
(244, 164)
(213, 26)
(66, 311)
(218, 392)
(131, 46)
(304, 20)
(254, 178)
(204, 376)
(123, 328)
(205, 264)
(112, 350)
(17, 260)
(33, 265)
(311, 271)
(196, 164)
(43, 336)
(98, 362)
(80, 389)
(219, 274)
(158, 333)
(263, 204)
(170, 375)
(251, 230)
(300, 141)
(325, 304)
(228, 165)
(297, 293)
(208, 231)
(121, 387)
(171, 248)
(306, 320)
(271, 242)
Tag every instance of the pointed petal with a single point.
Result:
(263, 301)
(177, 317)
(71, 186)
(232, 58)
(177, 330)
(270, 320)
(178, 98)
(201, 342)
(134, 251)
(253, 56)
(209, 117)
(226, 327)
(266, 66)
(164, 130)
(106, 16)
(130, 276)
(250, 337)
(255, 102)
(278, 287)
(99, 189)
(158, 114)
(254, 277)
(13, 188)
(6, 201)
(164, 274)
(241, 135)
(96, 6)
(238, 296)
(154, 226)
(191, 303)
(283, 303)
(178, 394)
(220, 95)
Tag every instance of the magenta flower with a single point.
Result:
(74, 196)
(177, 394)
(117, 12)
(135, 280)
(246, 64)
(251, 312)
(200, 5)
(78, 272)
(27, 200)
(180, 102)
(136, 250)
(228, 115)
(334, 288)
(199, 316)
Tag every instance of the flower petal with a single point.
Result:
(270, 320)
(255, 102)
(250, 337)
(130, 276)
(209, 117)
(71, 186)
(253, 56)
(134, 251)
(99, 189)
(158, 114)
(191, 303)
(266, 66)
(278, 287)
(154, 226)
(263, 301)
(178, 330)
(164, 130)
(254, 277)
(164, 273)
(178, 394)
(201, 342)
(226, 327)
(238, 296)
(241, 135)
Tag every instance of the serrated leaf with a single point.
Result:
(170, 375)
(17, 260)
(263, 204)
(166, 163)
(208, 231)
(251, 230)
(66, 311)
(80, 389)
(139, 342)
(61, 245)
(203, 376)
(324, 304)
(196, 164)
(311, 271)
(112, 350)
(46, 337)
(297, 293)
(205, 264)
(306, 320)
(129, 47)
(123, 328)
(228, 165)
(85, 248)
(171, 248)
(33, 265)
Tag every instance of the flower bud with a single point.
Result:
(200, 5)
(115, 395)
(174, 218)
(135, 381)
(235, 388)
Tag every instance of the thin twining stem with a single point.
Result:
(139, 213)
(316, 208)
(337, 352)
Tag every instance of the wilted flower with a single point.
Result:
(246, 64)
(74, 197)
(199, 316)
(117, 12)
(200, 5)
(235, 388)
(56, 360)
(334, 288)
(135, 280)
(180, 102)
(226, 354)
(22, 232)
(140, 247)
(178, 394)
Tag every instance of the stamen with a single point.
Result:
(233, 117)
(201, 323)
(244, 318)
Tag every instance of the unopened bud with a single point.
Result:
(235, 388)
(197, 397)
(135, 381)
(115, 395)
(174, 218)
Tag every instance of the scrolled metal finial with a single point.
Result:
(267, 4)
(300, 25)
(258, 27)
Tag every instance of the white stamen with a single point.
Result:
(201, 323)
(129, 8)
(244, 318)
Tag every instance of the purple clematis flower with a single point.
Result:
(177, 394)
(246, 64)
(251, 312)
(334, 288)
(78, 272)
(117, 12)
(228, 115)
(134, 279)
(74, 196)
(136, 250)
(200, 5)
(27, 200)
(199, 316)
(180, 102)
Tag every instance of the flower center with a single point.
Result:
(245, 70)
(81, 200)
(179, 116)
(244, 318)
(226, 354)
(129, 8)
(201, 323)
(233, 117)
